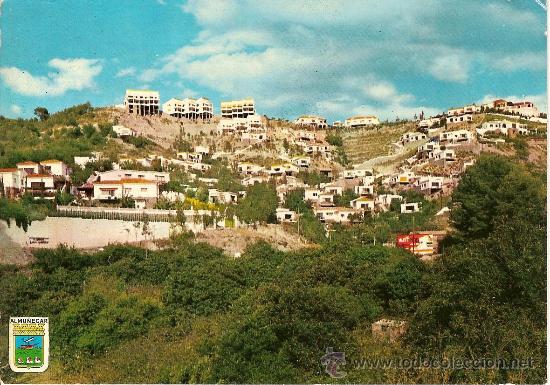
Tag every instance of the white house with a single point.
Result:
(224, 197)
(204, 150)
(312, 121)
(361, 121)
(285, 215)
(254, 137)
(29, 167)
(56, 168)
(460, 118)
(195, 157)
(364, 190)
(363, 203)
(469, 109)
(428, 123)
(283, 169)
(430, 184)
(247, 168)
(455, 136)
(301, 161)
(44, 183)
(409, 137)
(122, 131)
(357, 173)
(12, 181)
(336, 214)
(383, 201)
(252, 180)
(138, 189)
(408, 208)
(312, 194)
(117, 175)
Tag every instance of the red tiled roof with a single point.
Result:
(8, 169)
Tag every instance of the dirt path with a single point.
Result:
(234, 241)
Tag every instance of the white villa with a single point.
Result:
(312, 121)
(361, 121)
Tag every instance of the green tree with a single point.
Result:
(42, 113)
(259, 205)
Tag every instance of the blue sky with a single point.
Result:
(335, 58)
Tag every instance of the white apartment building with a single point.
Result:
(312, 121)
(142, 102)
(361, 121)
(251, 122)
(189, 108)
(238, 108)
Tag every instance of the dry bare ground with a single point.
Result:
(164, 129)
(234, 241)
(10, 252)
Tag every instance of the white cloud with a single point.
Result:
(529, 61)
(15, 109)
(130, 71)
(71, 74)
(451, 67)
(301, 55)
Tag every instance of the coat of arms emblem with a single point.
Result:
(29, 344)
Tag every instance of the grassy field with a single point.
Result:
(364, 144)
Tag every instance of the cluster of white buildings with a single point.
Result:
(42, 178)
(189, 108)
(504, 127)
(523, 108)
(312, 121)
(147, 103)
